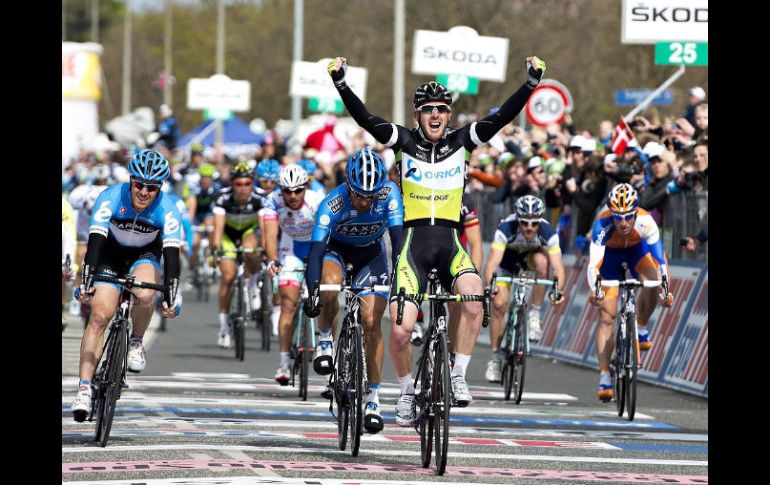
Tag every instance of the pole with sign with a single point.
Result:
(681, 53)
(549, 103)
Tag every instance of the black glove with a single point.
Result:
(338, 76)
(312, 307)
(535, 72)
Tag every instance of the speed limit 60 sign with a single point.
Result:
(547, 104)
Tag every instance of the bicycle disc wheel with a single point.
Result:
(442, 402)
(633, 365)
(306, 354)
(423, 411)
(620, 371)
(113, 375)
(356, 390)
(267, 311)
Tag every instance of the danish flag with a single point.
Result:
(621, 137)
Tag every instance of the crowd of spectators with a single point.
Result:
(571, 168)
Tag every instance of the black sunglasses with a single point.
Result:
(428, 108)
(361, 196)
(140, 185)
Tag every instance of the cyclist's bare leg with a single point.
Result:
(372, 309)
(399, 346)
(289, 301)
(251, 260)
(605, 343)
(142, 305)
(331, 274)
(227, 267)
(103, 305)
(540, 263)
(471, 313)
(499, 307)
(648, 297)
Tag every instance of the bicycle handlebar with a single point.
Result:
(631, 283)
(129, 283)
(221, 252)
(526, 281)
(339, 287)
(441, 297)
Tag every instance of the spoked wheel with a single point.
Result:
(305, 354)
(506, 346)
(266, 295)
(442, 402)
(356, 390)
(519, 362)
(423, 410)
(340, 395)
(109, 388)
(620, 372)
(633, 365)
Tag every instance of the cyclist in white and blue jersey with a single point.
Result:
(133, 224)
(348, 228)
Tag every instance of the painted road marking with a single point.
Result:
(128, 396)
(70, 384)
(392, 428)
(385, 452)
(176, 465)
(274, 479)
(617, 423)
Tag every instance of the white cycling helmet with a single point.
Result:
(293, 176)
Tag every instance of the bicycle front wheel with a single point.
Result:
(307, 354)
(620, 370)
(266, 295)
(340, 395)
(112, 376)
(423, 408)
(442, 402)
(519, 362)
(633, 365)
(356, 389)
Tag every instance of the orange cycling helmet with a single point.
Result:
(623, 198)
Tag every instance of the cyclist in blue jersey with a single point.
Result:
(132, 225)
(349, 226)
(311, 168)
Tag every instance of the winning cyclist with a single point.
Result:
(235, 225)
(349, 227)
(132, 225)
(523, 239)
(624, 232)
(433, 160)
(293, 210)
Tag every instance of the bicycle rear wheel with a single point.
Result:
(619, 370)
(306, 354)
(633, 365)
(442, 402)
(519, 361)
(356, 390)
(506, 348)
(266, 295)
(112, 376)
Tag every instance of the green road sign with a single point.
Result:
(678, 53)
(217, 114)
(459, 83)
(326, 105)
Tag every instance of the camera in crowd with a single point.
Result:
(625, 170)
(690, 180)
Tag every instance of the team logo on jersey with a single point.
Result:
(413, 171)
(393, 205)
(384, 193)
(104, 213)
(171, 225)
(122, 210)
(358, 230)
(336, 204)
(324, 220)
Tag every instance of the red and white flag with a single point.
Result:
(621, 137)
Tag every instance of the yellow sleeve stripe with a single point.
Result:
(498, 245)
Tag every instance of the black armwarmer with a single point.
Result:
(487, 127)
(171, 267)
(95, 244)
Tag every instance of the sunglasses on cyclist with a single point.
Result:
(361, 196)
(427, 109)
(624, 217)
(243, 184)
(530, 222)
(293, 191)
(140, 185)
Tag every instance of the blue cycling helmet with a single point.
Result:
(149, 165)
(269, 169)
(309, 166)
(366, 172)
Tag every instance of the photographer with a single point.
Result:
(654, 195)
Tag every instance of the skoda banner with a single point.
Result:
(460, 51)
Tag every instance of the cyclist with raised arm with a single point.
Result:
(522, 240)
(235, 225)
(433, 161)
(132, 226)
(624, 232)
(348, 228)
(293, 210)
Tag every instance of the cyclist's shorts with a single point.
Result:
(230, 241)
(370, 266)
(425, 247)
(513, 263)
(292, 271)
(117, 261)
(638, 257)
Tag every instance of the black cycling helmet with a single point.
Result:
(431, 91)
